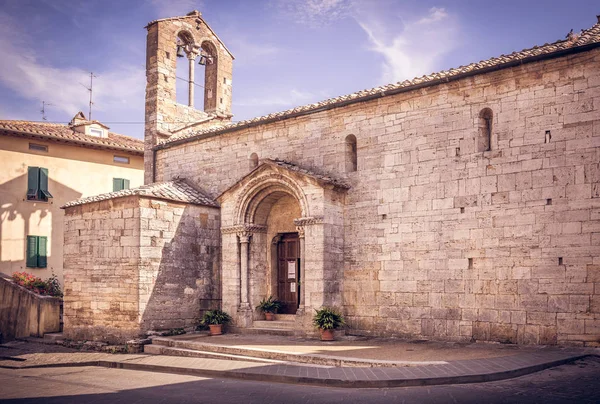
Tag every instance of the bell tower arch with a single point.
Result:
(190, 40)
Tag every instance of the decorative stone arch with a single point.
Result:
(258, 189)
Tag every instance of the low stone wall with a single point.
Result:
(136, 264)
(24, 313)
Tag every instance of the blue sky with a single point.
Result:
(288, 52)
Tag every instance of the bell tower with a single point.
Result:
(187, 39)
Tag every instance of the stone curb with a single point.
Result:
(335, 377)
(279, 355)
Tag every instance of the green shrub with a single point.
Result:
(328, 319)
(215, 317)
(269, 305)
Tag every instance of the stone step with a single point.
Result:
(285, 317)
(193, 353)
(266, 331)
(54, 336)
(277, 324)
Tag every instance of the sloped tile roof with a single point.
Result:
(297, 169)
(323, 179)
(586, 38)
(178, 190)
(64, 133)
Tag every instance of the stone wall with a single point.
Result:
(26, 314)
(135, 264)
(440, 240)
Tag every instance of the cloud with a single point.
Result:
(314, 12)
(175, 8)
(250, 52)
(118, 89)
(418, 48)
(411, 45)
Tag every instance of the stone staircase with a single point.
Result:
(283, 325)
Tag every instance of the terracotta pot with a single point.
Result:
(326, 335)
(216, 329)
(269, 316)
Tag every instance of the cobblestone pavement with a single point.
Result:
(573, 383)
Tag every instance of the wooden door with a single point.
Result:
(288, 263)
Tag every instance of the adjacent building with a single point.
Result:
(45, 165)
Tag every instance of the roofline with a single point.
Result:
(67, 206)
(370, 97)
(93, 145)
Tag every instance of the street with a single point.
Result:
(571, 383)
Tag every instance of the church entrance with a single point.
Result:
(288, 274)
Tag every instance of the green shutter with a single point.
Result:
(44, 194)
(117, 184)
(125, 184)
(33, 182)
(42, 248)
(32, 249)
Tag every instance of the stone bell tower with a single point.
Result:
(187, 39)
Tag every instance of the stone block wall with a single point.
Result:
(440, 240)
(135, 264)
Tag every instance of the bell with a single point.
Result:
(202, 60)
(180, 52)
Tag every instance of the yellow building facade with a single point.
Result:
(42, 167)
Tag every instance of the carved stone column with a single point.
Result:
(244, 249)
(192, 61)
(300, 230)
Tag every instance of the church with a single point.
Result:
(462, 205)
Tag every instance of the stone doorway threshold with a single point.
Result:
(346, 351)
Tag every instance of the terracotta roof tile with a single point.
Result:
(60, 132)
(178, 190)
(587, 37)
(320, 177)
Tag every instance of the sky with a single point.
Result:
(287, 52)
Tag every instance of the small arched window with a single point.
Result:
(484, 137)
(253, 161)
(351, 155)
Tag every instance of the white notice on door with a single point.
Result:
(291, 269)
(293, 287)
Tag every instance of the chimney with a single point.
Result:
(598, 17)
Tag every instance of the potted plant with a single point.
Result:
(215, 320)
(327, 320)
(269, 306)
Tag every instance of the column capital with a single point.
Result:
(244, 228)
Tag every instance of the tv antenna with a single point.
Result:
(43, 110)
(90, 90)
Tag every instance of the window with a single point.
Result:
(96, 132)
(38, 147)
(484, 138)
(253, 161)
(351, 156)
(121, 159)
(37, 184)
(120, 184)
(36, 251)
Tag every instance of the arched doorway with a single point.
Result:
(281, 235)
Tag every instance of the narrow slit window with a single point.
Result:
(253, 161)
(351, 154)
(484, 138)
